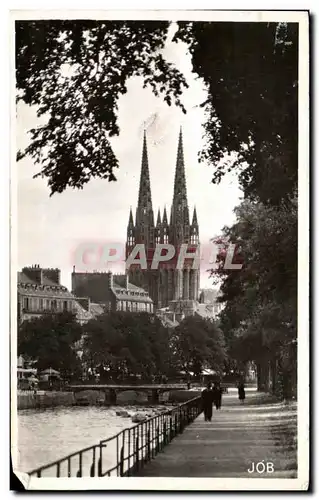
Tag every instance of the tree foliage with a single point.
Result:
(51, 341)
(197, 344)
(260, 316)
(122, 345)
(251, 74)
(75, 71)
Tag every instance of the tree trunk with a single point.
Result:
(273, 375)
(259, 381)
(263, 375)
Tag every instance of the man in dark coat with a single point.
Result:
(207, 402)
(241, 392)
(217, 390)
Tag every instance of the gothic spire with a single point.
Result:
(180, 180)
(194, 221)
(130, 220)
(179, 211)
(158, 222)
(165, 216)
(144, 196)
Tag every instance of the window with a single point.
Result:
(65, 305)
(26, 303)
(54, 305)
(41, 304)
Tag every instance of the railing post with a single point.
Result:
(180, 421)
(117, 456)
(79, 473)
(137, 452)
(153, 439)
(122, 461)
(129, 453)
(157, 439)
(148, 445)
(92, 470)
(99, 464)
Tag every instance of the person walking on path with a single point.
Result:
(241, 392)
(217, 390)
(207, 402)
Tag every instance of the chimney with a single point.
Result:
(35, 273)
(110, 276)
(53, 275)
(122, 280)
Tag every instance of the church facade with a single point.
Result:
(167, 284)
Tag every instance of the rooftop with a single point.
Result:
(47, 289)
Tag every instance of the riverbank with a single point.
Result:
(46, 399)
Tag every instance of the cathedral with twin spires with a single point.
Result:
(165, 285)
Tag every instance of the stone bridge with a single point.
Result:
(113, 389)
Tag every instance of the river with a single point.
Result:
(49, 434)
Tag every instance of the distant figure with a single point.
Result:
(217, 390)
(241, 392)
(207, 402)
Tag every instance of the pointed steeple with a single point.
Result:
(130, 231)
(130, 220)
(179, 212)
(165, 216)
(158, 222)
(194, 221)
(194, 229)
(144, 207)
(180, 180)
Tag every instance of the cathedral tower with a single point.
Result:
(167, 283)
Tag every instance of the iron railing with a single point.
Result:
(127, 451)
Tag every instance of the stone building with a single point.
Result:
(113, 292)
(40, 292)
(167, 283)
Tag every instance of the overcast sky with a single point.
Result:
(50, 229)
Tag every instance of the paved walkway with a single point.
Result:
(237, 436)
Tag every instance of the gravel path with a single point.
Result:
(260, 430)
